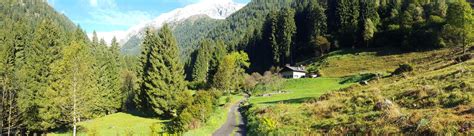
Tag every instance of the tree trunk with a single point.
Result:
(74, 100)
(3, 105)
(10, 107)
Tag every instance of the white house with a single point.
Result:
(293, 72)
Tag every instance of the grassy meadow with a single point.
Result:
(348, 63)
(435, 98)
(127, 124)
(116, 124)
(296, 91)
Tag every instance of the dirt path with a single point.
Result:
(235, 123)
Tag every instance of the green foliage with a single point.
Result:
(369, 31)
(322, 45)
(202, 64)
(460, 24)
(161, 76)
(269, 82)
(36, 99)
(230, 73)
(285, 34)
(72, 94)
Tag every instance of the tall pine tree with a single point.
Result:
(201, 66)
(285, 34)
(36, 102)
(162, 75)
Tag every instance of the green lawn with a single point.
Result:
(123, 123)
(299, 90)
(117, 124)
(216, 120)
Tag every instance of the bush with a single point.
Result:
(269, 82)
(179, 124)
(419, 98)
(194, 114)
(359, 78)
(464, 58)
(403, 68)
(198, 85)
(455, 98)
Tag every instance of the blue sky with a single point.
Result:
(116, 15)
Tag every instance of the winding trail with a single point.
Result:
(235, 123)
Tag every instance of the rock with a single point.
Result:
(364, 82)
(383, 105)
(464, 58)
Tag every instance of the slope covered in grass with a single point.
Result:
(117, 124)
(437, 97)
(299, 90)
(121, 123)
(344, 63)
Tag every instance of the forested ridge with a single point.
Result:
(409, 25)
(53, 76)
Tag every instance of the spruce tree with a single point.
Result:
(272, 36)
(162, 76)
(37, 105)
(13, 37)
(218, 53)
(318, 20)
(347, 16)
(114, 71)
(286, 31)
(201, 66)
(95, 39)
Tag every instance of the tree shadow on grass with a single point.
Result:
(289, 101)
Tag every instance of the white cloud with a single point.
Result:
(103, 3)
(93, 3)
(119, 18)
(107, 13)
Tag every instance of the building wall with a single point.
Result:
(291, 74)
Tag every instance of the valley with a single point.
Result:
(237, 67)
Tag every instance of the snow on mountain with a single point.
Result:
(216, 9)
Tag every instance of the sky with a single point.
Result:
(116, 15)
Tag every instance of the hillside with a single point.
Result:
(435, 98)
(189, 33)
(30, 13)
(190, 25)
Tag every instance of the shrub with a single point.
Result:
(154, 129)
(419, 98)
(92, 132)
(455, 98)
(198, 85)
(464, 58)
(194, 114)
(267, 83)
(359, 78)
(403, 68)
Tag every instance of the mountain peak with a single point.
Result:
(215, 9)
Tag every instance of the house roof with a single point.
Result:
(294, 69)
